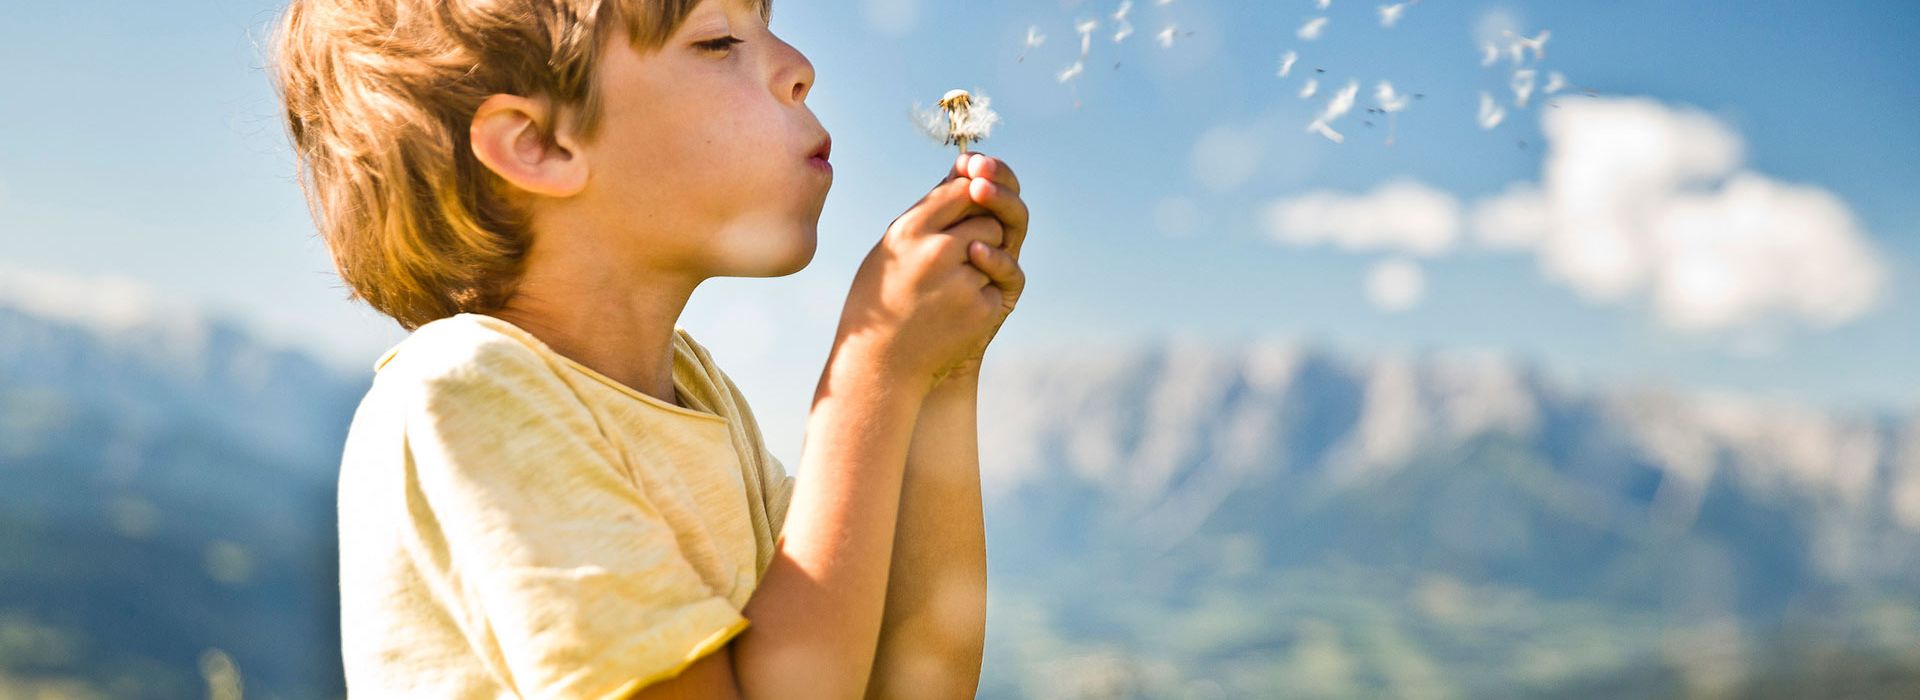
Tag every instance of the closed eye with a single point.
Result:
(721, 44)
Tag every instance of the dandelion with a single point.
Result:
(1390, 14)
(1522, 86)
(1034, 40)
(1286, 62)
(1311, 30)
(1313, 86)
(958, 118)
(1490, 113)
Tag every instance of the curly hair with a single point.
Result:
(379, 97)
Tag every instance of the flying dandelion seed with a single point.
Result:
(1073, 71)
(1390, 14)
(1322, 4)
(1391, 103)
(1165, 37)
(1313, 86)
(1389, 100)
(1337, 106)
(1488, 54)
(1126, 28)
(1085, 28)
(1286, 62)
(1034, 40)
(960, 117)
(1555, 83)
(1490, 113)
(1311, 30)
(1522, 86)
(1538, 44)
(1321, 128)
(1341, 102)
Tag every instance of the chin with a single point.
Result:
(772, 250)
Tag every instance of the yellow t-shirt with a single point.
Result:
(516, 524)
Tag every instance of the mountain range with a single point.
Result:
(1171, 519)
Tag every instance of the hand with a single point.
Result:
(923, 303)
(999, 196)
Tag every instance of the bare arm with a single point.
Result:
(815, 616)
(934, 631)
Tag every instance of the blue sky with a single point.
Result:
(143, 142)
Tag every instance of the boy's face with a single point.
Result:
(705, 161)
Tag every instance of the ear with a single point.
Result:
(507, 138)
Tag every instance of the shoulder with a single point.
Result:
(467, 353)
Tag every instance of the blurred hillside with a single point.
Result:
(1176, 520)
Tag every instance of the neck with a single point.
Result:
(617, 322)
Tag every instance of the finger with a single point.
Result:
(990, 168)
(999, 265)
(945, 205)
(1005, 206)
(985, 229)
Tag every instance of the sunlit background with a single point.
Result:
(1441, 349)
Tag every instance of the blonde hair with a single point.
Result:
(379, 97)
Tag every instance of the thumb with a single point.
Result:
(999, 265)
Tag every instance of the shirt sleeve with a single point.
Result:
(566, 579)
(779, 493)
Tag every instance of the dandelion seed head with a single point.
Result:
(959, 117)
(1311, 30)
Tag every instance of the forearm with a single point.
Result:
(815, 617)
(933, 632)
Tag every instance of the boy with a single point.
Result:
(550, 490)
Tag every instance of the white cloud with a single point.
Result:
(1638, 197)
(1396, 285)
(1400, 215)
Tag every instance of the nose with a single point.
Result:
(796, 76)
